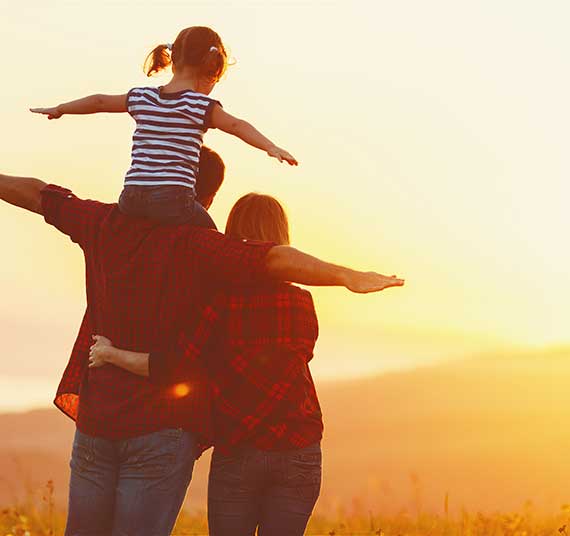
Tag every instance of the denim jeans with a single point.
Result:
(132, 487)
(273, 492)
(170, 205)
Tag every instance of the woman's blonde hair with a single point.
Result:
(258, 217)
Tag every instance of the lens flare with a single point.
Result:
(181, 390)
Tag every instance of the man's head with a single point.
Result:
(210, 176)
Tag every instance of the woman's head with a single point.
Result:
(197, 48)
(258, 217)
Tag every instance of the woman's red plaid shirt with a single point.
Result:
(256, 342)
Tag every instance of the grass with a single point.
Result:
(37, 516)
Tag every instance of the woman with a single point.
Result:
(267, 424)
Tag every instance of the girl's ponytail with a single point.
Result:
(158, 60)
(197, 47)
(214, 62)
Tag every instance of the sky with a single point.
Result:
(431, 138)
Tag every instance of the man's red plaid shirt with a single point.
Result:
(256, 342)
(142, 279)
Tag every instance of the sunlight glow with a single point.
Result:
(426, 150)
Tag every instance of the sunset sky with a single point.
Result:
(433, 144)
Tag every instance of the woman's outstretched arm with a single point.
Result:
(87, 105)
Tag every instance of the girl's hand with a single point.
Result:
(52, 113)
(282, 154)
(99, 352)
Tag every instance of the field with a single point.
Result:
(472, 448)
(38, 516)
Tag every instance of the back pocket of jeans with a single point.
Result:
(304, 472)
(227, 468)
(82, 453)
(157, 453)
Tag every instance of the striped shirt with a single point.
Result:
(168, 137)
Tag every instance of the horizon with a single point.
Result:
(475, 432)
(12, 402)
(425, 150)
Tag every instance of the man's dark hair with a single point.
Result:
(210, 176)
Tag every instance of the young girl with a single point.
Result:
(170, 124)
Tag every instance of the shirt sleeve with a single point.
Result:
(77, 218)
(220, 260)
(177, 360)
(208, 115)
(130, 101)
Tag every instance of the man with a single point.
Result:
(135, 444)
(210, 176)
(208, 181)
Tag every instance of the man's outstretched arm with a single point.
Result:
(23, 192)
(282, 262)
(289, 264)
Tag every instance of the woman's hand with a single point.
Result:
(365, 282)
(100, 351)
(282, 154)
(52, 113)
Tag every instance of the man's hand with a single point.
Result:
(365, 282)
(100, 351)
(52, 113)
(284, 263)
(23, 192)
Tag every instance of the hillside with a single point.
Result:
(490, 432)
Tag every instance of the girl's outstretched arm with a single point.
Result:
(248, 133)
(87, 105)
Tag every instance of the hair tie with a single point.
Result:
(214, 49)
(169, 46)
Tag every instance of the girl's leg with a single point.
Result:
(94, 471)
(234, 493)
(168, 205)
(130, 201)
(288, 503)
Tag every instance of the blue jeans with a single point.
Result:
(273, 492)
(168, 204)
(132, 487)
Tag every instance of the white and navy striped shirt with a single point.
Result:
(168, 136)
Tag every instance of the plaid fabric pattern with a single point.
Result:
(257, 342)
(143, 281)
